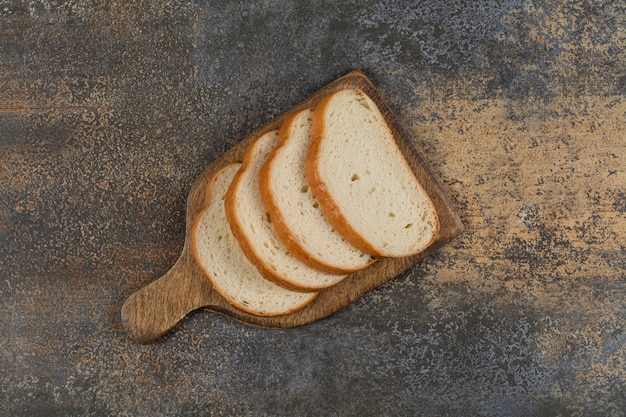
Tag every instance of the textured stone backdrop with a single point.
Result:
(108, 112)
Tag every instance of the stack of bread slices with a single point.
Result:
(323, 197)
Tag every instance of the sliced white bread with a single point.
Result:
(252, 226)
(362, 181)
(218, 254)
(296, 215)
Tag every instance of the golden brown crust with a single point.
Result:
(319, 190)
(196, 255)
(195, 250)
(278, 220)
(245, 244)
(327, 203)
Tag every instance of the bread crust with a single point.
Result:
(239, 233)
(196, 254)
(332, 210)
(237, 229)
(290, 241)
(319, 190)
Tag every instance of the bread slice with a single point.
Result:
(218, 254)
(299, 221)
(362, 181)
(252, 226)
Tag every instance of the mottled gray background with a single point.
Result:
(109, 111)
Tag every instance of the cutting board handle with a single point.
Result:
(152, 311)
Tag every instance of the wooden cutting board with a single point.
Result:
(155, 309)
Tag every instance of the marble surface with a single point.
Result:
(109, 111)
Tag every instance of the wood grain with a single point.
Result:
(154, 310)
